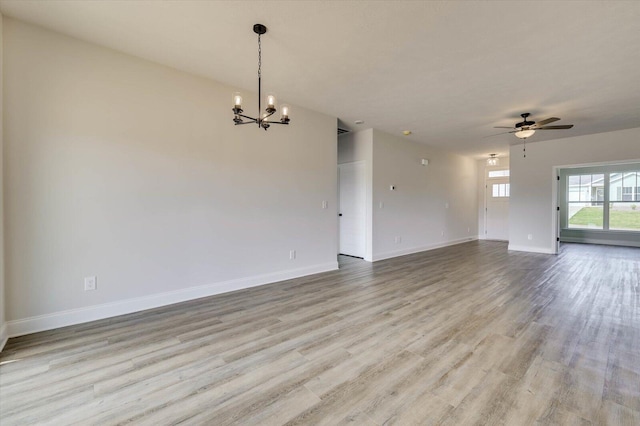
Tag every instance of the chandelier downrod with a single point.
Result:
(262, 119)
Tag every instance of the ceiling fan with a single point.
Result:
(526, 128)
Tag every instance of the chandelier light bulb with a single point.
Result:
(237, 100)
(271, 101)
(284, 111)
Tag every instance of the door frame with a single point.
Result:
(487, 180)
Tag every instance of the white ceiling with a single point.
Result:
(448, 71)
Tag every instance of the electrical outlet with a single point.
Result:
(398, 240)
(325, 204)
(90, 283)
(292, 254)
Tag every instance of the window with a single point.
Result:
(624, 193)
(587, 195)
(624, 214)
(585, 201)
(500, 190)
(498, 173)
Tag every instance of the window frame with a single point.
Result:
(503, 188)
(498, 173)
(606, 171)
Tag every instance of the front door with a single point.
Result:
(497, 209)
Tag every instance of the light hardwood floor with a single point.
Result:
(469, 334)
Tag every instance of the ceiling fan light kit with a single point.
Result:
(493, 160)
(523, 134)
(263, 118)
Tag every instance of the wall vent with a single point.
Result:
(341, 131)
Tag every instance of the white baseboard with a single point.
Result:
(4, 335)
(121, 307)
(600, 241)
(403, 252)
(532, 249)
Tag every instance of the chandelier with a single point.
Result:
(263, 118)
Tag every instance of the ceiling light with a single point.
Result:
(406, 132)
(523, 134)
(262, 120)
(493, 160)
(359, 121)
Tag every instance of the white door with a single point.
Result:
(352, 209)
(497, 209)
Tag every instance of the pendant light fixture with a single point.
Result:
(493, 160)
(263, 117)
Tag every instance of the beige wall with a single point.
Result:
(133, 172)
(534, 185)
(431, 206)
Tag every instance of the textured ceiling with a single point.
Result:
(447, 71)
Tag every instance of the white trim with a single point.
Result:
(597, 164)
(532, 249)
(485, 210)
(582, 240)
(4, 335)
(555, 203)
(122, 307)
(390, 254)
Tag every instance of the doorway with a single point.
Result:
(497, 194)
(598, 204)
(352, 208)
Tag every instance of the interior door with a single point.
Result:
(352, 209)
(497, 209)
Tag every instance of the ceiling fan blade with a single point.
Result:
(564, 126)
(503, 133)
(502, 127)
(547, 121)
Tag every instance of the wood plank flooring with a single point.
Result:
(469, 334)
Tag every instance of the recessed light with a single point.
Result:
(406, 132)
(359, 121)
